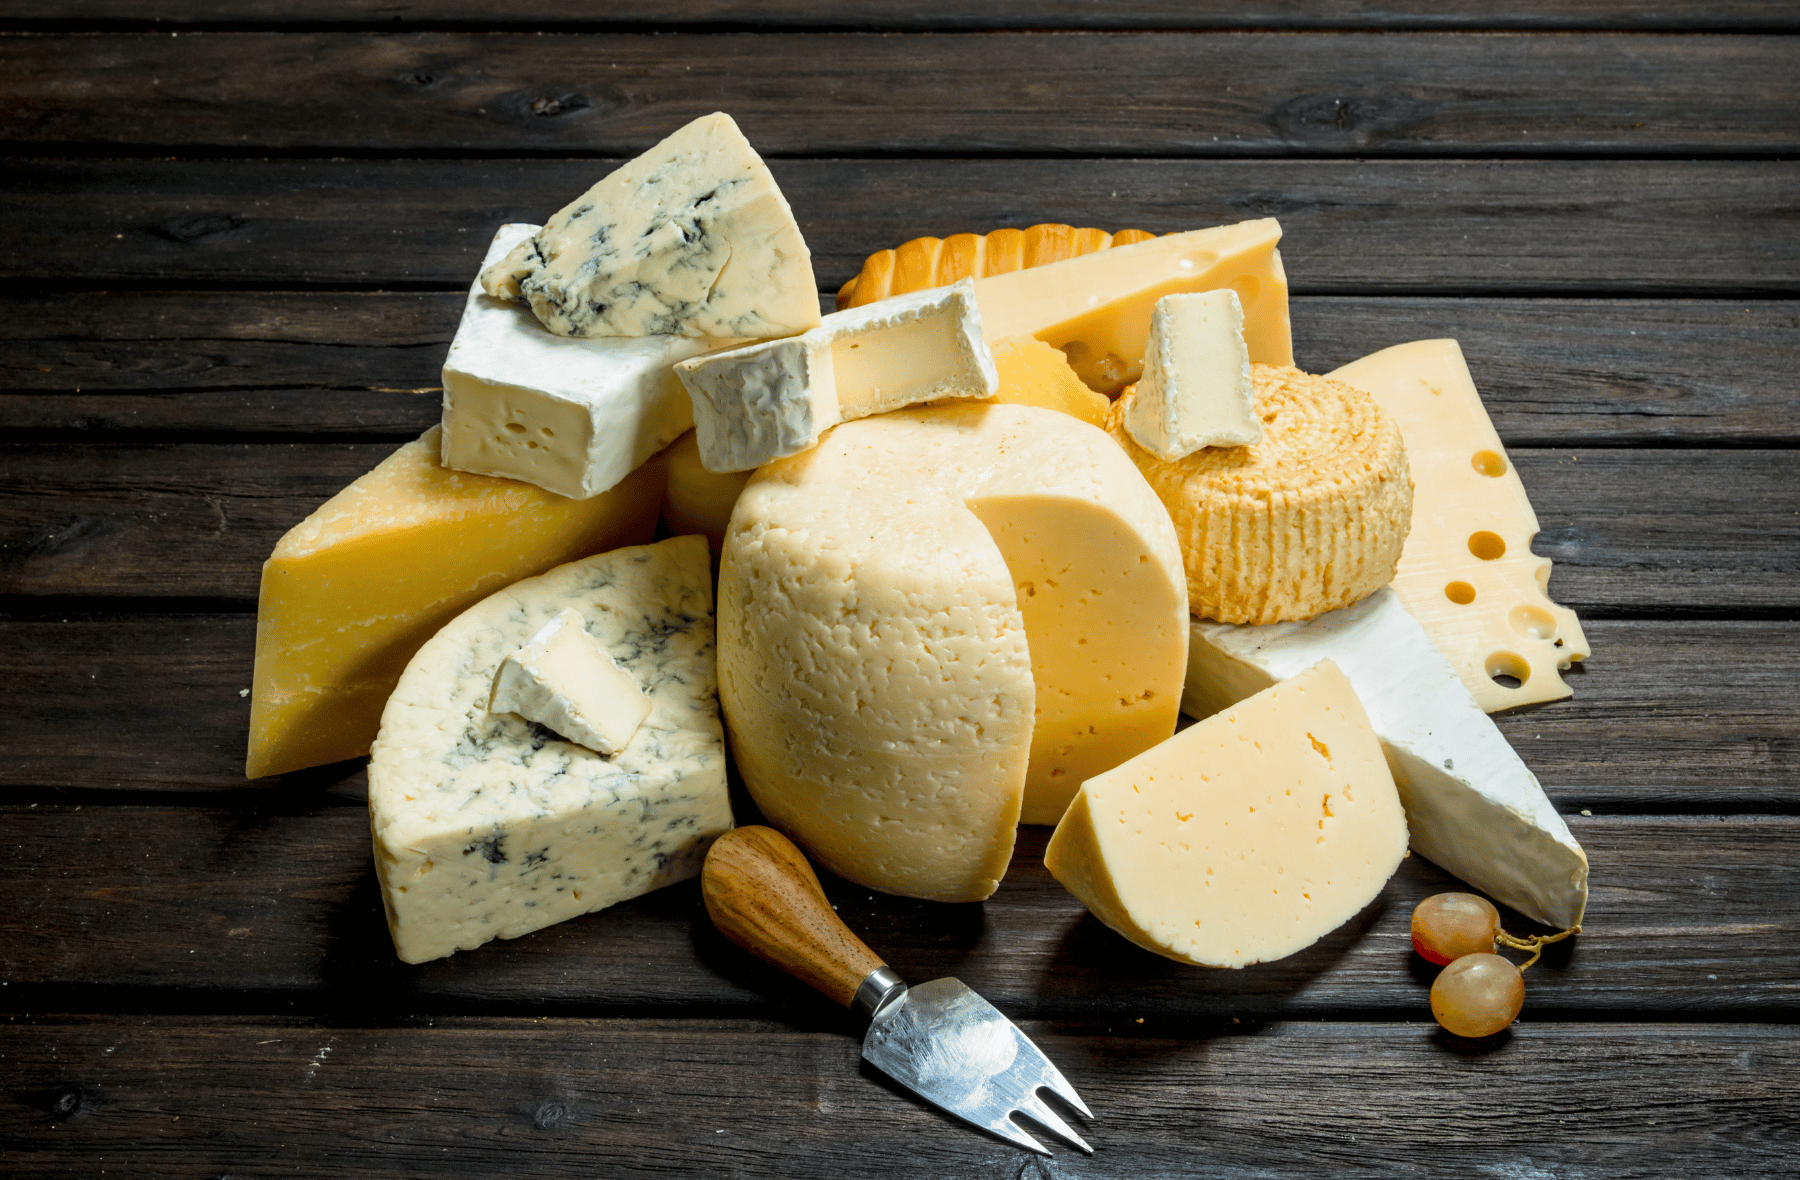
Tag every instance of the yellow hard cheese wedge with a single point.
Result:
(1468, 573)
(1244, 838)
(352, 591)
(697, 500)
(1034, 374)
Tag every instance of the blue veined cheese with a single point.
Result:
(692, 238)
(571, 415)
(1471, 805)
(488, 826)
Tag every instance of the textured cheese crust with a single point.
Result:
(1310, 519)
(875, 598)
(487, 826)
(938, 262)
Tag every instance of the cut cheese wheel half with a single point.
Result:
(939, 621)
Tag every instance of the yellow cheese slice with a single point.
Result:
(1468, 573)
(1034, 374)
(352, 591)
(1245, 837)
(1097, 308)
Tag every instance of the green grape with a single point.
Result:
(1447, 926)
(1477, 995)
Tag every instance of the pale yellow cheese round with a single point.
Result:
(1309, 520)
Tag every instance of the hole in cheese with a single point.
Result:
(1505, 666)
(1489, 463)
(1487, 546)
(1460, 592)
(1533, 623)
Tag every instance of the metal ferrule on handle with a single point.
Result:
(879, 988)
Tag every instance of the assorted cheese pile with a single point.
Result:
(978, 537)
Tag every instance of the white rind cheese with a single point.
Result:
(571, 415)
(692, 238)
(752, 405)
(566, 682)
(1472, 806)
(487, 826)
(1196, 390)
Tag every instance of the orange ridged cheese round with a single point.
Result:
(1311, 519)
(924, 263)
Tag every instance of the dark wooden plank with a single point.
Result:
(1667, 715)
(1532, 227)
(1149, 94)
(1552, 371)
(579, 1098)
(187, 906)
(1702, 530)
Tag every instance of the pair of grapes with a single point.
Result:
(1478, 992)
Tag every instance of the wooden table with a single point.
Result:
(233, 245)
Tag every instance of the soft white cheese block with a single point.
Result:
(571, 415)
(488, 826)
(1472, 806)
(767, 401)
(692, 238)
(566, 682)
(1196, 390)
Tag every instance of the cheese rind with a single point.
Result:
(565, 681)
(1468, 572)
(1196, 390)
(487, 826)
(352, 591)
(1244, 838)
(692, 238)
(1472, 806)
(571, 415)
(762, 402)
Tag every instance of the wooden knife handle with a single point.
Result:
(762, 895)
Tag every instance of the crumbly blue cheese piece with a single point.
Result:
(571, 415)
(767, 401)
(1196, 389)
(1471, 805)
(692, 238)
(566, 682)
(488, 826)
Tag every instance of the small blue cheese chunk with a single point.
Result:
(487, 825)
(566, 682)
(1196, 390)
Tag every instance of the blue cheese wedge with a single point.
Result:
(692, 238)
(489, 826)
(1471, 805)
(566, 682)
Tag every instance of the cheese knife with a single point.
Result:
(940, 1039)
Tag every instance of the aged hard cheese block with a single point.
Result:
(352, 591)
(1244, 838)
(697, 500)
(692, 238)
(1034, 374)
(1097, 308)
(1468, 572)
(766, 401)
(566, 682)
(487, 826)
(1196, 390)
(1471, 804)
(935, 615)
(571, 415)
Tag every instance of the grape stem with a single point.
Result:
(1535, 943)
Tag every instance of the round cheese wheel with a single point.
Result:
(1309, 520)
(940, 621)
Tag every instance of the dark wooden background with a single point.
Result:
(233, 240)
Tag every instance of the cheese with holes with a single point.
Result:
(488, 826)
(1196, 390)
(766, 401)
(571, 415)
(939, 620)
(352, 591)
(696, 500)
(1032, 373)
(566, 682)
(692, 238)
(1472, 806)
(1244, 838)
(1468, 572)
(1097, 308)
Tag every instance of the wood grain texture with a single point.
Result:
(1532, 227)
(747, 1099)
(202, 909)
(1568, 372)
(1139, 94)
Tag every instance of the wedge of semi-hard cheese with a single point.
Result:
(1244, 838)
(692, 238)
(352, 591)
(1196, 390)
(1034, 374)
(1468, 572)
(1471, 804)
(1097, 308)
(766, 401)
(933, 616)
(697, 500)
(572, 415)
(485, 825)
(566, 682)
